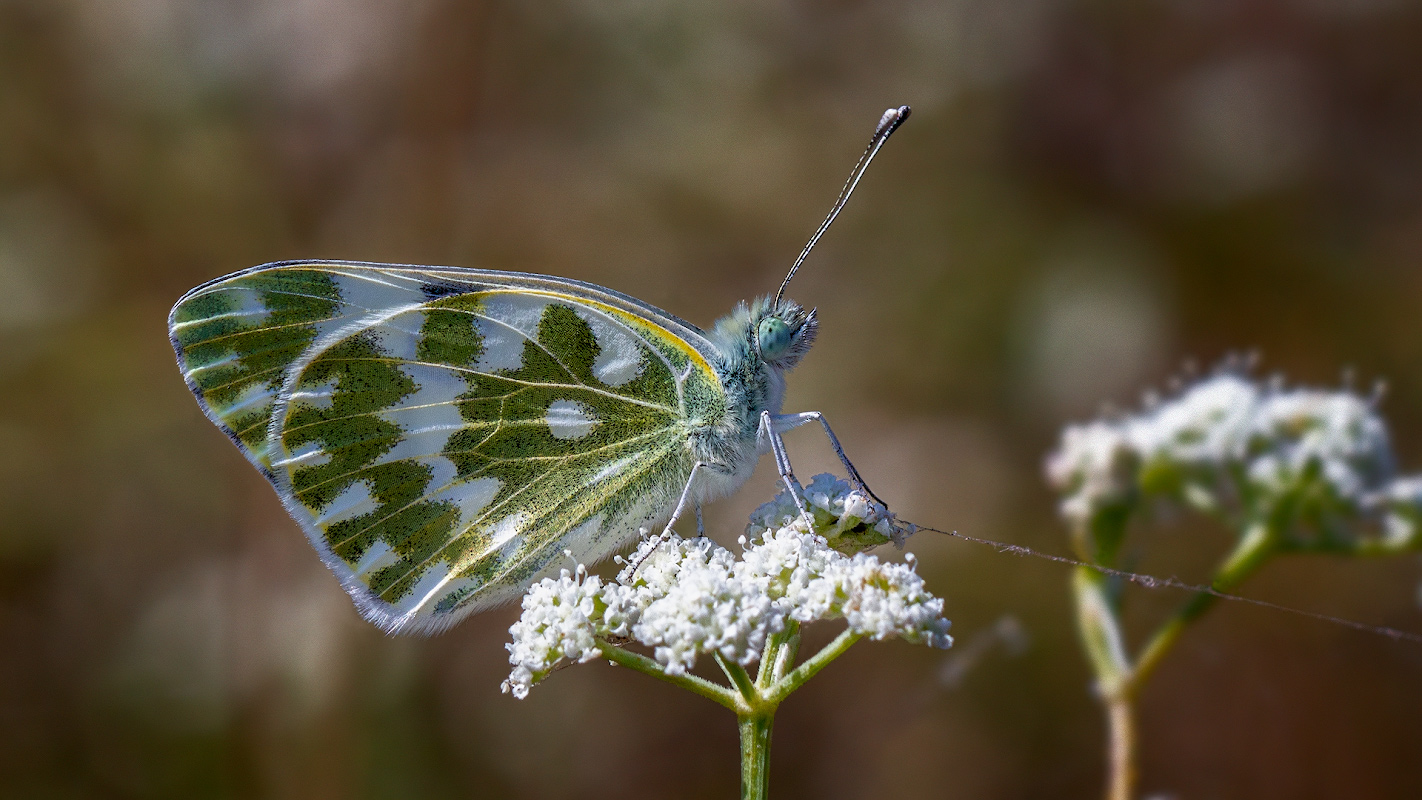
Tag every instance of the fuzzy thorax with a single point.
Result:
(757, 343)
(752, 370)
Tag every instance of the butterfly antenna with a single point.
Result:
(888, 123)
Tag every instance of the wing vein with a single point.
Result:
(483, 515)
(485, 512)
(533, 384)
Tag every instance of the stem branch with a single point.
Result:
(811, 665)
(711, 691)
(1119, 680)
(741, 680)
(1253, 550)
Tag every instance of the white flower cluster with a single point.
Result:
(847, 518)
(1227, 438)
(685, 598)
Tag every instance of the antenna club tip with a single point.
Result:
(893, 118)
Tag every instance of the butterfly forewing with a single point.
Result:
(443, 435)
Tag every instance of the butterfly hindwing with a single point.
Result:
(443, 435)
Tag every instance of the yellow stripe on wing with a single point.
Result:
(693, 355)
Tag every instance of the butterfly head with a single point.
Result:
(782, 331)
(776, 334)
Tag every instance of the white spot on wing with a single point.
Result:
(442, 473)
(429, 583)
(612, 468)
(578, 538)
(620, 357)
(428, 416)
(377, 557)
(470, 496)
(569, 419)
(505, 530)
(376, 291)
(251, 398)
(366, 293)
(349, 504)
(399, 336)
(506, 321)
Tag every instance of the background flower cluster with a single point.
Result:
(1231, 445)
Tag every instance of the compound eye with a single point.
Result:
(773, 337)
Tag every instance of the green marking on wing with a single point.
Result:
(236, 338)
(239, 338)
(448, 335)
(447, 453)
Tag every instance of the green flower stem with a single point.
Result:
(764, 675)
(1258, 544)
(797, 677)
(755, 755)
(1099, 625)
(754, 701)
(1100, 629)
(711, 691)
(1121, 716)
(1118, 679)
(741, 680)
(756, 720)
(785, 657)
(779, 655)
(772, 685)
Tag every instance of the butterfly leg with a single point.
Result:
(784, 422)
(676, 514)
(769, 435)
(700, 523)
(685, 498)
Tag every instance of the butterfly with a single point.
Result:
(444, 435)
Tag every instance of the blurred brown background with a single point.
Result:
(1088, 194)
